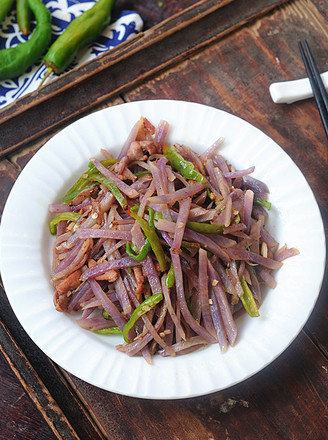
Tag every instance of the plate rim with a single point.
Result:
(152, 102)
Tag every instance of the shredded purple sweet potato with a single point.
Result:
(163, 220)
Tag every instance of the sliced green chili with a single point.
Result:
(185, 167)
(106, 315)
(141, 173)
(170, 277)
(108, 331)
(190, 244)
(152, 236)
(206, 228)
(158, 215)
(112, 188)
(248, 300)
(84, 180)
(143, 251)
(262, 202)
(151, 214)
(71, 216)
(143, 308)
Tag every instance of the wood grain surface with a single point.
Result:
(122, 68)
(229, 68)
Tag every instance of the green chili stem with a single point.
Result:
(71, 216)
(248, 300)
(143, 308)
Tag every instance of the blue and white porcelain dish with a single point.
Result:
(123, 26)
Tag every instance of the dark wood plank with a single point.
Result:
(154, 12)
(84, 88)
(43, 381)
(8, 176)
(19, 417)
(287, 400)
(35, 388)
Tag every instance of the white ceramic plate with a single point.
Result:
(26, 254)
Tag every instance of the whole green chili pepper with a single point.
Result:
(142, 308)
(84, 180)
(185, 167)
(108, 331)
(80, 32)
(23, 12)
(5, 6)
(71, 216)
(206, 228)
(143, 251)
(248, 300)
(16, 60)
(152, 236)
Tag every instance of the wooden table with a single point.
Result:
(224, 54)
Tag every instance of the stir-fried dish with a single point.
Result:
(163, 246)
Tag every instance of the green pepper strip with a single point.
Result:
(170, 277)
(185, 167)
(262, 202)
(248, 300)
(112, 188)
(190, 244)
(151, 214)
(23, 16)
(84, 180)
(142, 308)
(79, 33)
(133, 253)
(5, 6)
(206, 228)
(16, 60)
(71, 216)
(152, 236)
(108, 331)
(143, 251)
(106, 315)
(141, 173)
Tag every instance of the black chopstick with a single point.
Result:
(318, 88)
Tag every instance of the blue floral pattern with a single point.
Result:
(125, 25)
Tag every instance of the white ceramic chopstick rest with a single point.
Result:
(287, 92)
